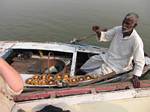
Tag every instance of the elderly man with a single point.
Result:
(126, 45)
(10, 84)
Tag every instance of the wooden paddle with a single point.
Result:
(77, 40)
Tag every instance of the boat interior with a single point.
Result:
(37, 61)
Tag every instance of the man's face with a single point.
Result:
(128, 24)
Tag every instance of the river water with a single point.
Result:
(62, 20)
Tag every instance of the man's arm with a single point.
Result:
(139, 62)
(104, 34)
(11, 76)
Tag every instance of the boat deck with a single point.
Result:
(42, 93)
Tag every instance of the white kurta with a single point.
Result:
(121, 51)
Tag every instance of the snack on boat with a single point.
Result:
(41, 80)
(52, 82)
(81, 78)
(88, 77)
(43, 76)
(50, 77)
(58, 77)
(45, 79)
(66, 77)
(36, 76)
(29, 81)
(35, 82)
(73, 81)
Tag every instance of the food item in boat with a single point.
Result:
(73, 81)
(66, 77)
(43, 76)
(88, 77)
(29, 81)
(36, 76)
(81, 78)
(49, 77)
(35, 82)
(52, 82)
(32, 81)
(42, 82)
(58, 77)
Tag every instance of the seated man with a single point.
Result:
(10, 84)
(126, 45)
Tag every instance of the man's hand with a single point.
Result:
(98, 29)
(136, 82)
(95, 28)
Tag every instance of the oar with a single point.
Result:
(76, 40)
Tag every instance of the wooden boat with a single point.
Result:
(60, 61)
